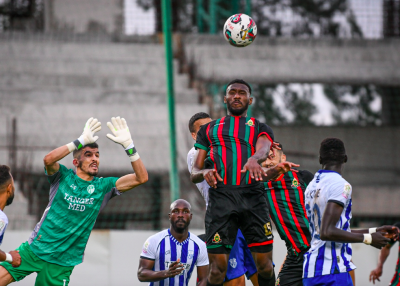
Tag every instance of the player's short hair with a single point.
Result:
(239, 81)
(194, 118)
(5, 175)
(332, 151)
(77, 153)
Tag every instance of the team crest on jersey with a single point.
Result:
(90, 189)
(295, 183)
(190, 254)
(250, 123)
(268, 229)
(217, 238)
(233, 262)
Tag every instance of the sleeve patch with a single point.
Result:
(346, 191)
(146, 246)
(2, 225)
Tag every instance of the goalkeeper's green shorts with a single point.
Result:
(48, 274)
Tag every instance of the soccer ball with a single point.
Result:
(240, 30)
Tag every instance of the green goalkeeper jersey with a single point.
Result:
(62, 233)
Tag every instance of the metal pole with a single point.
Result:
(200, 20)
(213, 16)
(173, 174)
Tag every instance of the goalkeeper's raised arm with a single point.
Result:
(121, 135)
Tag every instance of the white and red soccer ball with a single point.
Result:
(240, 30)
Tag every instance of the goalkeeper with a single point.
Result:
(58, 241)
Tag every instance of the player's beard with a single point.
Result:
(10, 200)
(181, 229)
(237, 112)
(94, 173)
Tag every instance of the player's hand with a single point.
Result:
(91, 127)
(16, 258)
(175, 268)
(378, 240)
(272, 154)
(375, 274)
(255, 169)
(121, 132)
(285, 167)
(211, 176)
(389, 231)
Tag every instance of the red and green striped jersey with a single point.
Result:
(396, 277)
(231, 140)
(285, 197)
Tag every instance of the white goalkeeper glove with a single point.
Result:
(91, 127)
(122, 136)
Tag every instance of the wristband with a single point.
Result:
(367, 238)
(78, 144)
(132, 153)
(372, 230)
(8, 258)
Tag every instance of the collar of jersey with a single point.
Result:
(177, 242)
(84, 181)
(328, 171)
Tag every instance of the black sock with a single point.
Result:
(266, 282)
(209, 284)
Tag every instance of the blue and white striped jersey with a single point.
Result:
(3, 225)
(327, 257)
(164, 249)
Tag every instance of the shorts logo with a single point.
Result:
(250, 123)
(268, 229)
(217, 238)
(90, 189)
(295, 183)
(233, 262)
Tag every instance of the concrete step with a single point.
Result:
(81, 51)
(29, 80)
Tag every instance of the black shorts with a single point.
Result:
(239, 207)
(292, 270)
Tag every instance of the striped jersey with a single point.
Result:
(3, 225)
(396, 277)
(232, 140)
(327, 257)
(285, 197)
(164, 249)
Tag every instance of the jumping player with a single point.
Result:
(237, 144)
(240, 259)
(328, 201)
(168, 258)
(7, 190)
(58, 241)
(383, 255)
(285, 197)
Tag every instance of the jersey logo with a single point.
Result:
(2, 225)
(146, 246)
(217, 238)
(190, 254)
(295, 183)
(90, 189)
(73, 187)
(233, 262)
(250, 123)
(268, 229)
(347, 191)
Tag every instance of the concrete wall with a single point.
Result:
(112, 258)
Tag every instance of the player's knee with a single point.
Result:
(266, 269)
(217, 275)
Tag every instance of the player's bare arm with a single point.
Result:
(330, 232)
(147, 274)
(199, 174)
(202, 273)
(121, 135)
(383, 255)
(263, 146)
(51, 159)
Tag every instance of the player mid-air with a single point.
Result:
(59, 239)
(328, 200)
(285, 197)
(237, 144)
(7, 190)
(240, 259)
(383, 255)
(169, 257)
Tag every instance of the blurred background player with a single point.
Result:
(285, 197)
(7, 190)
(328, 204)
(383, 255)
(240, 259)
(168, 258)
(237, 144)
(58, 241)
